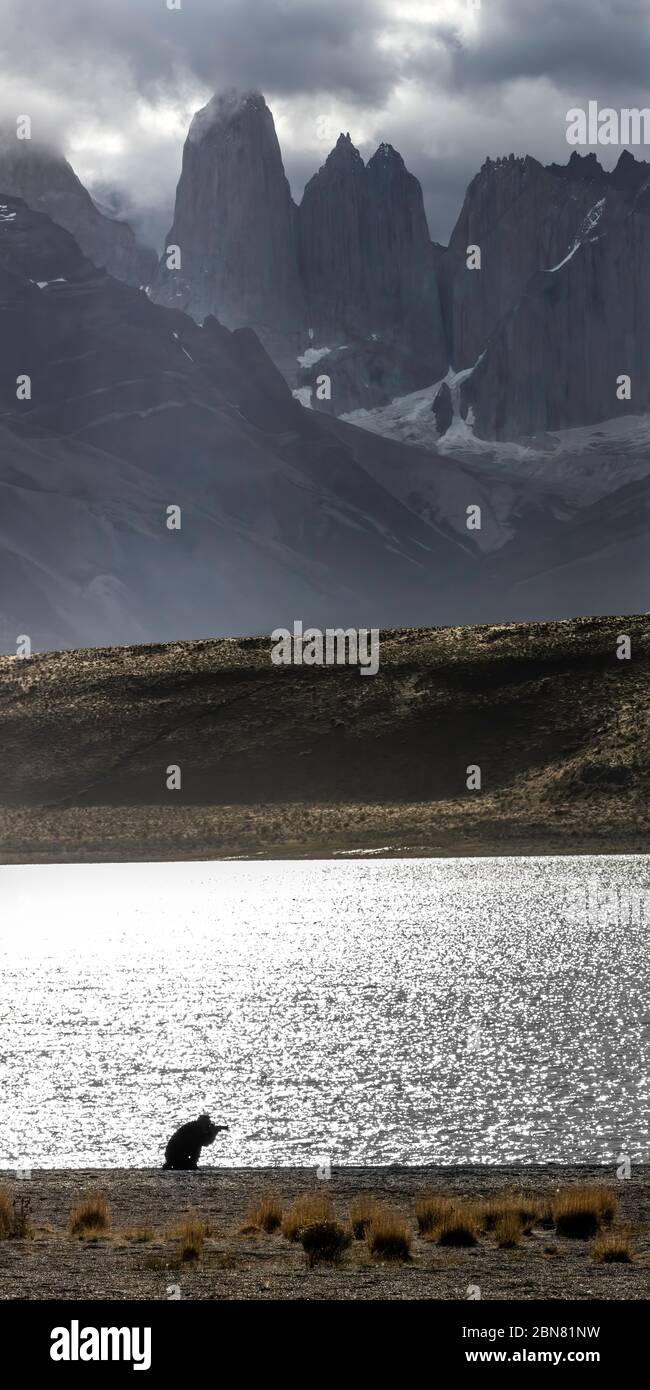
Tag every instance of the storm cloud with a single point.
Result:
(447, 82)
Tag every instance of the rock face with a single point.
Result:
(556, 312)
(366, 256)
(354, 263)
(235, 222)
(367, 264)
(47, 183)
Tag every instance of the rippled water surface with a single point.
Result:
(385, 1011)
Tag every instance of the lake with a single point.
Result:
(370, 1012)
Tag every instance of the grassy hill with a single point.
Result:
(305, 761)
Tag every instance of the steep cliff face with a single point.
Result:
(537, 306)
(577, 323)
(332, 220)
(404, 288)
(366, 257)
(352, 268)
(47, 183)
(523, 218)
(368, 267)
(235, 224)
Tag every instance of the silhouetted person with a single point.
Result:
(184, 1147)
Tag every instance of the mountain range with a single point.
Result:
(545, 320)
(142, 399)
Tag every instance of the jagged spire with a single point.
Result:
(345, 152)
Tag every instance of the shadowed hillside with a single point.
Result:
(303, 761)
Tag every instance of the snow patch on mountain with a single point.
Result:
(411, 418)
(408, 418)
(590, 222)
(312, 356)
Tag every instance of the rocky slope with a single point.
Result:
(48, 183)
(135, 409)
(284, 513)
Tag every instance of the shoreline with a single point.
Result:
(137, 1257)
(99, 852)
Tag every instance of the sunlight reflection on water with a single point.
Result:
(384, 1011)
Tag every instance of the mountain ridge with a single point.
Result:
(346, 287)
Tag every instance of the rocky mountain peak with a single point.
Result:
(386, 159)
(226, 109)
(630, 173)
(235, 225)
(345, 155)
(41, 175)
(583, 167)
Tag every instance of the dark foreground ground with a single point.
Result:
(309, 761)
(139, 1256)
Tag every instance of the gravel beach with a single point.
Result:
(138, 1256)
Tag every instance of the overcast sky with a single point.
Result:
(445, 81)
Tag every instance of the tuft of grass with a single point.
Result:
(191, 1234)
(21, 1227)
(508, 1231)
(580, 1211)
(613, 1248)
(324, 1242)
(266, 1214)
(308, 1210)
(511, 1207)
(91, 1214)
(459, 1226)
(92, 1234)
(362, 1211)
(431, 1211)
(389, 1236)
(5, 1214)
(139, 1234)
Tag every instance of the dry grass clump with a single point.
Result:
(459, 1226)
(580, 1211)
(448, 1220)
(308, 1210)
(139, 1234)
(91, 1217)
(510, 1208)
(508, 1231)
(389, 1235)
(191, 1234)
(15, 1217)
(324, 1242)
(613, 1248)
(431, 1211)
(5, 1214)
(265, 1214)
(362, 1211)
